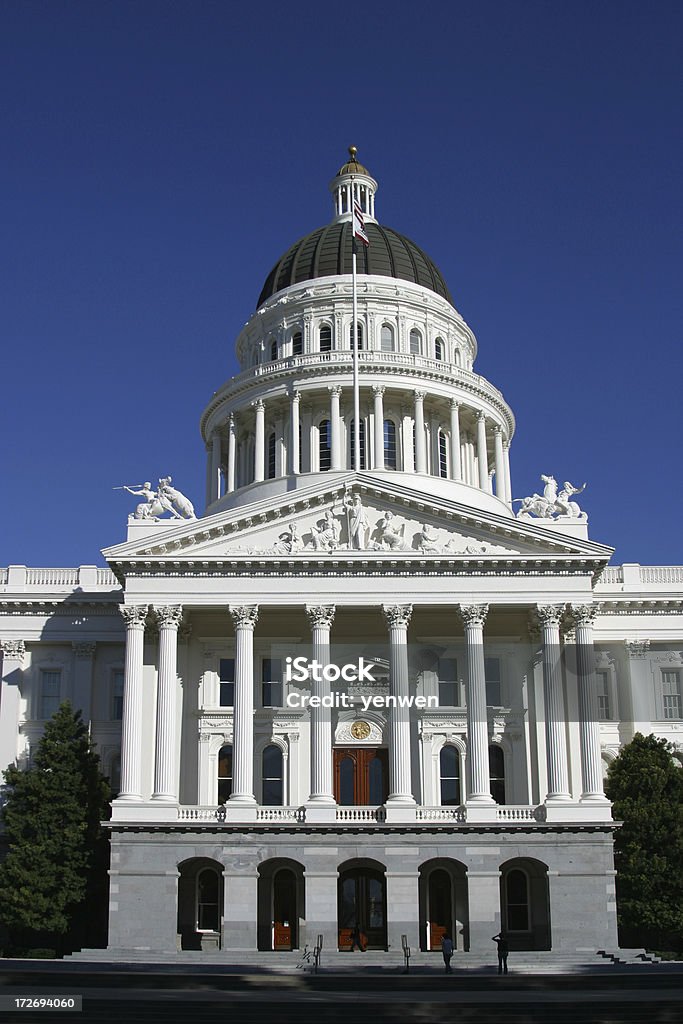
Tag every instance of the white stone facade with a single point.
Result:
(244, 822)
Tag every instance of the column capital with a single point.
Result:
(168, 616)
(244, 615)
(134, 615)
(320, 615)
(549, 614)
(473, 614)
(419, 395)
(83, 649)
(258, 404)
(455, 403)
(378, 389)
(481, 415)
(231, 422)
(583, 614)
(335, 389)
(497, 430)
(397, 614)
(14, 649)
(295, 396)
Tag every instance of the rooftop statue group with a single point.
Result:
(165, 499)
(552, 504)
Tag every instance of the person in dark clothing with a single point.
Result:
(447, 950)
(357, 940)
(503, 949)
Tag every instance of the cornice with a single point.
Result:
(640, 606)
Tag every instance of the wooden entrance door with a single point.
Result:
(361, 776)
(362, 905)
(284, 910)
(440, 908)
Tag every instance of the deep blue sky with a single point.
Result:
(159, 156)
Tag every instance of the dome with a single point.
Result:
(327, 252)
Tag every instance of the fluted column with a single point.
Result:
(131, 719)
(232, 453)
(550, 617)
(589, 728)
(294, 458)
(500, 463)
(456, 462)
(321, 618)
(335, 427)
(260, 440)
(506, 463)
(482, 456)
(13, 653)
(215, 466)
(397, 618)
(478, 782)
(244, 618)
(168, 619)
(378, 417)
(420, 439)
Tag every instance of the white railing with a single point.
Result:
(458, 814)
(4, 576)
(612, 574)
(52, 577)
(661, 573)
(522, 812)
(201, 814)
(106, 578)
(361, 814)
(280, 814)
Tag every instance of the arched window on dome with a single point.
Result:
(449, 770)
(224, 773)
(387, 338)
(497, 773)
(415, 342)
(389, 444)
(457, 359)
(443, 454)
(439, 349)
(360, 336)
(324, 446)
(272, 776)
(273, 349)
(352, 449)
(325, 338)
(297, 343)
(271, 456)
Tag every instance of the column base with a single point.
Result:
(321, 813)
(481, 813)
(397, 812)
(580, 813)
(240, 811)
(138, 810)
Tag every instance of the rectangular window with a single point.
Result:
(443, 455)
(671, 693)
(271, 689)
(448, 683)
(226, 674)
(604, 710)
(50, 687)
(117, 694)
(494, 698)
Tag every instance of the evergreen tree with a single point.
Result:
(57, 850)
(646, 787)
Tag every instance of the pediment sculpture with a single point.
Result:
(553, 503)
(166, 499)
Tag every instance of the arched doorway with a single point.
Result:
(444, 906)
(362, 903)
(525, 903)
(200, 903)
(281, 905)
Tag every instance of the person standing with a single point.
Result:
(447, 951)
(503, 949)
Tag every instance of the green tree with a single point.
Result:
(646, 788)
(57, 850)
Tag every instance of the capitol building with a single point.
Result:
(483, 661)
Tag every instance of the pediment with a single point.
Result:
(358, 517)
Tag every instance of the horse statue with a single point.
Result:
(175, 498)
(552, 504)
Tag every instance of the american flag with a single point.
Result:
(359, 224)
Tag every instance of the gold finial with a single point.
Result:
(352, 153)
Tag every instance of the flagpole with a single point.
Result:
(356, 388)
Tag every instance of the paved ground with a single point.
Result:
(151, 995)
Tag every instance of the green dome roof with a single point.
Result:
(327, 252)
